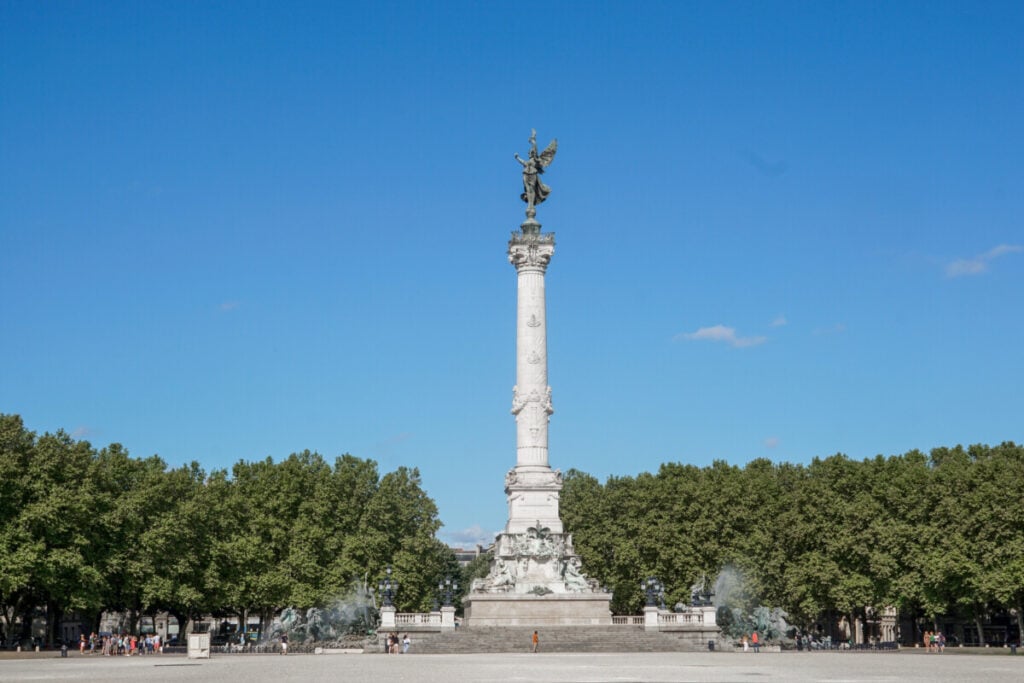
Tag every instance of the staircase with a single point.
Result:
(465, 640)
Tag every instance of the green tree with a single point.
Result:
(19, 550)
(398, 526)
(46, 539)
(177, 543)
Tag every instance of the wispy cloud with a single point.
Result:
(979, 264)
(83, 432)
(394, 440)
(771, 442)
(779, 321)
(838, 328)
(772, 169)
(390, 447)
(720, 333)
(470, 536)
(228, 306)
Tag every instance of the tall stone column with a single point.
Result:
(535, 577)
(531, 486)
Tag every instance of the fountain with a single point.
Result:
(347, 622)
(739, 612)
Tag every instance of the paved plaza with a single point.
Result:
(905, 667)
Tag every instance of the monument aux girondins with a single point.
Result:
(535, 577)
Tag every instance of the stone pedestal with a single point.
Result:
(517, 609)
(651, 618)
(387, 618)
(448, 618)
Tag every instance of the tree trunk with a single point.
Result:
(981, 631)
(1020, 622)
(26, 623)
(54, 615)
(266, 619)
(182, 621)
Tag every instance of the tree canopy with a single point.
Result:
(88, 530)
(932, 534)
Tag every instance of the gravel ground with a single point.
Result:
(705, 667)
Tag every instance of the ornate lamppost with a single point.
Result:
(702, 595)
(387, 588)
(653, 590)
(447, 589)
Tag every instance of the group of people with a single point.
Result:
(121, 644)
(393, 642)
(934, 641)
(754, 641)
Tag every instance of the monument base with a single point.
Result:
(553, 609)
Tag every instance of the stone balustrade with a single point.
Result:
(635, 620)
(680, 618)
(418, 619)
(433, 620)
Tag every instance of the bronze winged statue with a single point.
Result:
(535, 191)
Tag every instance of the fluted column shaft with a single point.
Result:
(531, 396)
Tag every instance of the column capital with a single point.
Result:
(531, 250)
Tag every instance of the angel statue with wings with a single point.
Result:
(535, 191)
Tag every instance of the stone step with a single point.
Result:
(555, 639)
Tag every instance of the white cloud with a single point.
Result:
(772, 169)
(720, 333)
(228, 306)
(979, 264)
(83, 432)
(771, 442)
(470, 536)
(838, 328)
(779, 321)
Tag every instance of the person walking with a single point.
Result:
(755, 641)
(284, 643)
(405, 643)
(536, 641)
(746, 645)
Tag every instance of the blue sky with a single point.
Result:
(784, 230)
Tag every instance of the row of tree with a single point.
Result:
(88, 530)
(85, 530)
(936, 534)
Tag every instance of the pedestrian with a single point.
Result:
(405, 643)
(746, 645)
(284, 643)
(756, 642)
(536, 641)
